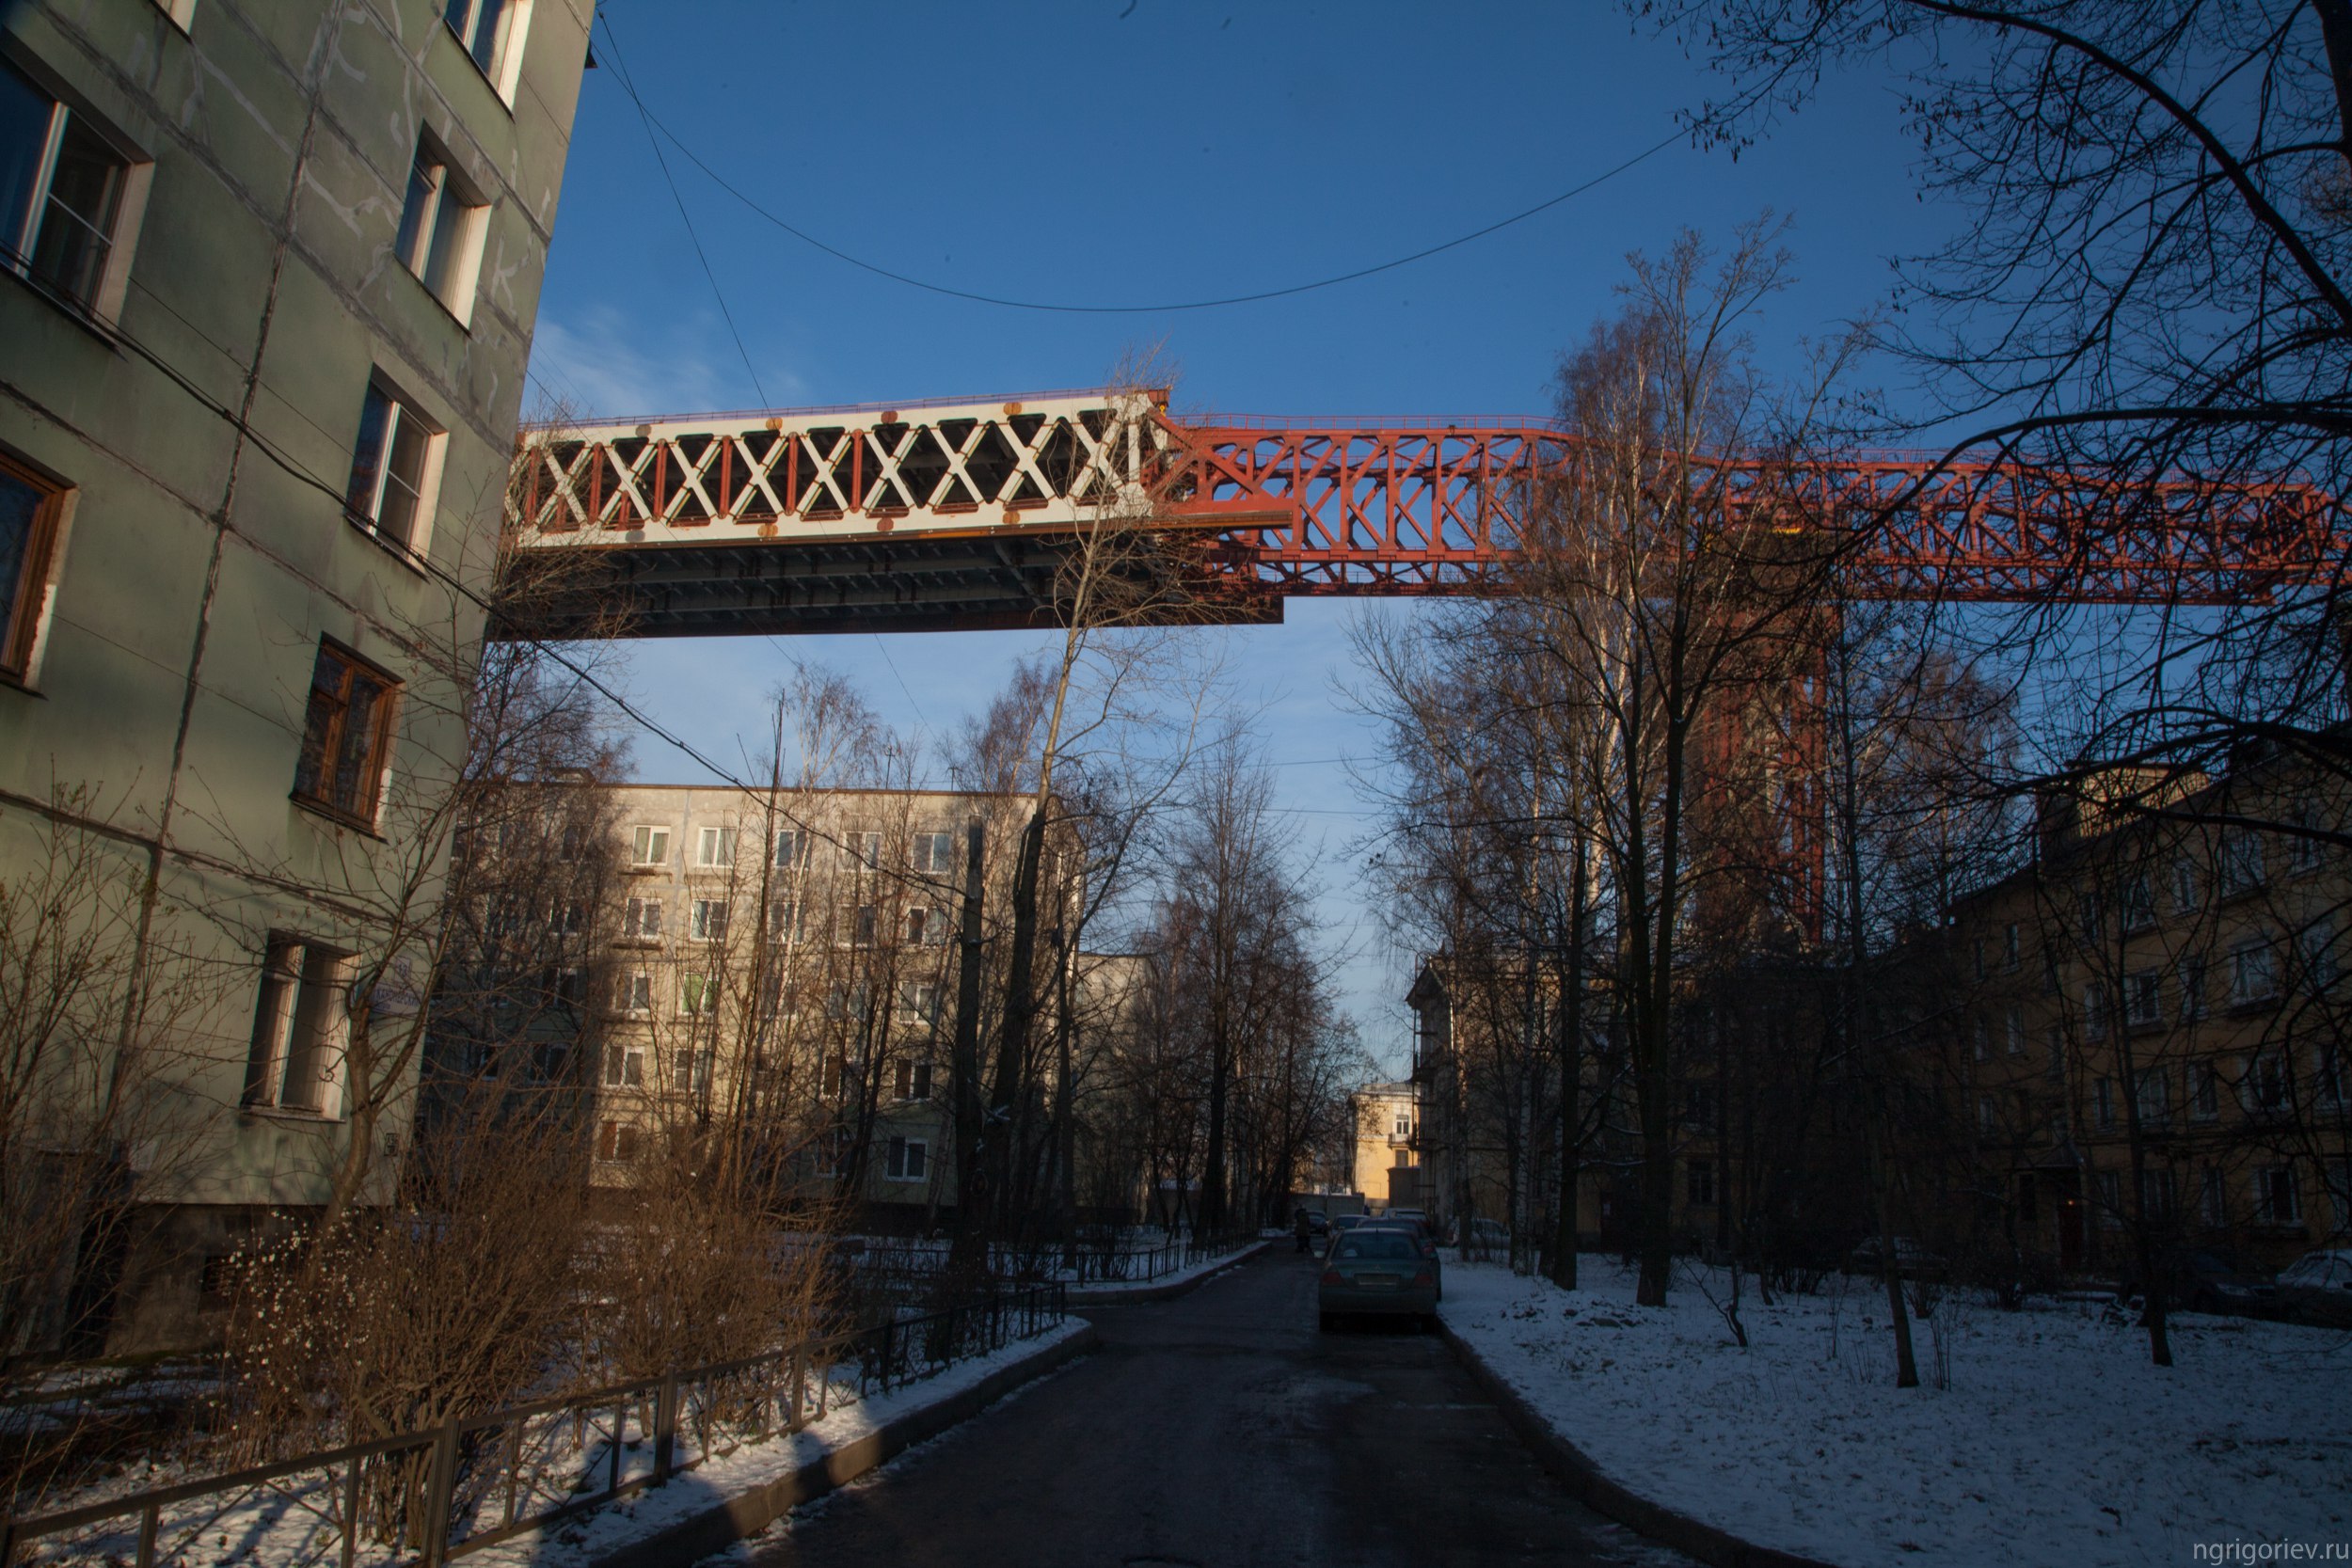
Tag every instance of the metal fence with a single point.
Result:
(426, 1498)
(1132, 1265)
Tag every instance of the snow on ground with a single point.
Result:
(2055, 1441)
(577, 1542)
(289, 1526)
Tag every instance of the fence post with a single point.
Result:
(440, 1483)
(665, 1428)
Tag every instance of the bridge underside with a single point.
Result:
(901, 583)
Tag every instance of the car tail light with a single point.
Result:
(1424, 1277)
(1333, 1276)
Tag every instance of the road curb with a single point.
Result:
(1143, 1293)
(1584, 1482)
(729, 1520)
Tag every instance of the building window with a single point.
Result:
(440, 227)
(2103, 1104)
(2270, 1084)
(1987, 1115)
(857, 926)
(299, 1020)
(1981, 1038)
(2013, 1027)
(2012, 947)
(491, 32)
(714, 849)
(849, 1003)
(1975, 959)
(914, 1080)
(862, 849)
(649, 847)
(792, 847)
(708, 919)
(636, 992)
(2253, 973)
(935, 853)
(909, 1159)
(925, 927)
(2241, 861)
(2138, 910)
(2184, 886)
(784, 921)
(2111, 1199)
(2094, 1011)
(31, 512)
(2090, 921)
(641, 920)
(62, 197)
(2154, 1098)
(918, 1001)
(2192, 989)
(346, 736)
(2054, 1044)
(2212, 1201)
(624, 1065)
(2276, 1202)
(2327, 1073)
(698, 995)
(2143, 1000)
(2156, 1195)
(694, 1072)
(2304, 847)
(393, 469)
(2204, 1092)
(1702, 1179)
(617, 1143)
(836, 1074)
(2316, 954)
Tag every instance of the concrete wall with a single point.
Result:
(205, 427)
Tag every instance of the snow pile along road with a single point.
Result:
(2055, 1441)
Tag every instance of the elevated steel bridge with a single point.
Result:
(940, 515)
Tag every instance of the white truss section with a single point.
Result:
(936, 469)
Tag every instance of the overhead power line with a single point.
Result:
(654, 122)
(620, 68)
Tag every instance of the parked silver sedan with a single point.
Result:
(1377, 1272)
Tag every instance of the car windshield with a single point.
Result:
(1385, 1246)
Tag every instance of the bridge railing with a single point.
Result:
(427, 1498)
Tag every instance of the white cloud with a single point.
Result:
(597, 366)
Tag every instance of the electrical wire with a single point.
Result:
(1168, 307)
(621, 70)
(296, 470)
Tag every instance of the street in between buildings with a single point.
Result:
(1222, 1429)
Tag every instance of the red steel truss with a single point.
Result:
(950, 514)
(1431, 507)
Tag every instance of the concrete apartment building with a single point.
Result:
(271, 275)
(2151, 1027)
(1385, 1170)
(787, 960)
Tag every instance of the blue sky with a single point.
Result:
(1110, 152)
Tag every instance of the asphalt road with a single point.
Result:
(1222, 1431)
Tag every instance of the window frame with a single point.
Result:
(635, 926)
(897, 1168)
(700, 926)
(724, 843)
(26, 616)
(647, 835)
(133, 175)
(401, 411)
(377, 767)
(444, 186)
(298, 1029)
(503, 71)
